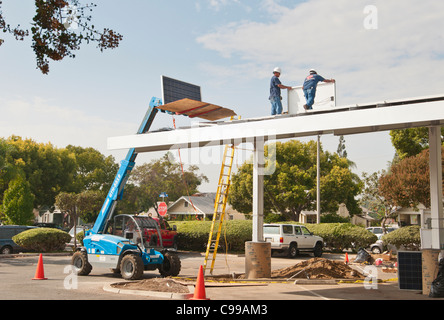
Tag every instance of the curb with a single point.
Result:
(158, 294)
(33, 254)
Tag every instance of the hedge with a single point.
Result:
(343, 235)
(42, 239)
(409, 237)
(193, 235)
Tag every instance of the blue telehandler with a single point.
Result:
(119, 242)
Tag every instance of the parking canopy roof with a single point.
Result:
(194, 108)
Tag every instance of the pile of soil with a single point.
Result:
(318, 268)
(156, 284)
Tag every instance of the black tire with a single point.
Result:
(131, 267)
(153, 241)
(376, 250)
(6, 250)
(171, 264)
(174, 246)
(292, 250)
(80, 262)
(317, 252)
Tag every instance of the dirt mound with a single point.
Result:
(318, 268)
(156, 284)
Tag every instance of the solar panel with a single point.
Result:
(325, 98)
(173, 90)
(410, 270)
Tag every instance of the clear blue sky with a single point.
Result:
(229, 48)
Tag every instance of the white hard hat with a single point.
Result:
(277, 69)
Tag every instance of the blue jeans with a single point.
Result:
(276, 105)
(309, 97)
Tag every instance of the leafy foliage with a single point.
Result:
(18, 202)
(374, 199)
(85, 204)
(193, 235)
(59, 28)
(292, 186)
(408, 182)
(51, 170)
(409, 237)
(343, 235)
(47, 169)
(161, 175)
(42, 239)
(93, 170)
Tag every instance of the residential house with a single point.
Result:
(414, 216)
(200, 205)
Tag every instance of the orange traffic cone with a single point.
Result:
(346, 258)
(199, 290)
(39, 272)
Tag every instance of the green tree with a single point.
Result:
(93, 170)
(341, 148)
(163, 175)
(89, 203)
(48, 170)
(410, 142)
(292, 186)
(17, 207)
(59, 28)
(374, 199)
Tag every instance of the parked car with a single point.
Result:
(292, 239)
(79, 228)
(378, 246)
(7, 246)
(47, 225)
(378, 231)
(168, 234)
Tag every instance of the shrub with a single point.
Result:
(42, 239)
(409, 237)
(343, 235)
(193, 235)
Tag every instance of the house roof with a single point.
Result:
(203, 202)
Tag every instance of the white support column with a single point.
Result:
(318, 182)
(436, 187)
(258, 189)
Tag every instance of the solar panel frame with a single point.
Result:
(410, 270)
(174, 90)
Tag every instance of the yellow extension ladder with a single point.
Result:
(219, 205)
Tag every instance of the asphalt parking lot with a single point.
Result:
(16, 273)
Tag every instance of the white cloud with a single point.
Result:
(398, 59)
(217, 4)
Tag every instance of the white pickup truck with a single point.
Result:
(293, 239)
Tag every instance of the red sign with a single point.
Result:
(162, 208)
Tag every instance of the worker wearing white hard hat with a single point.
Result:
(309, 87)
(275, 92)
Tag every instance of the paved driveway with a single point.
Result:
(16, 284)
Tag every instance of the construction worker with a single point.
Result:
(309, 87)
(275, 92)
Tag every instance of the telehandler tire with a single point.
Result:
(131, 267)
(80, 262)
(171, 264)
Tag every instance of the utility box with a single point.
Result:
(325, 99)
